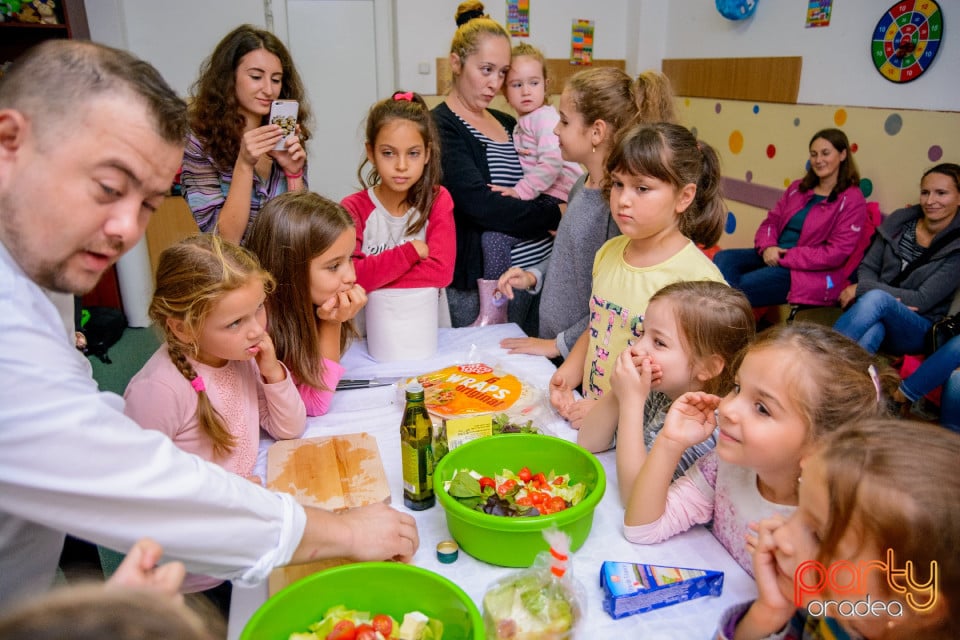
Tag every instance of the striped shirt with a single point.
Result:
(505, 171)
(910, 249)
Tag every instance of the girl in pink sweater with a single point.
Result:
(306, 241)
(217, 380)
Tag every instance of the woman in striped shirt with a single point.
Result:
(230, 165)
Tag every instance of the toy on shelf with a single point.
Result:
(9, 10)
(39, 11)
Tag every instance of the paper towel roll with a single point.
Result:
(136, 284)
(402, 323)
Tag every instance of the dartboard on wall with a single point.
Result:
(906, 39)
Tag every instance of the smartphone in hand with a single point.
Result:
(284, 113)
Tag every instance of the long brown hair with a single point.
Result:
(192, 276)
(714, 319)
(412, 108)
(291, 230)
(214, 111)
(897, 481)
(847, 174)
(609, 94)
(669, 152)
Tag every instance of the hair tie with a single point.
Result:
(875, 378)
(197, 384)
(467, 16)
(403, 95)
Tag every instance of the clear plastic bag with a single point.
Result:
(544, 602)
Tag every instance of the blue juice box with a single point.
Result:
(630, 588)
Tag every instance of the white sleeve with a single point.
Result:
(70, 460)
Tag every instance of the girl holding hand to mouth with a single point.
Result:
(795, 383)
(881, 495)
(216, 380)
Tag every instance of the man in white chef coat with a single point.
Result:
(90, 140)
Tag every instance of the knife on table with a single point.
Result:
(366, 383)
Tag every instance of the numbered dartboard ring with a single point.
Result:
(906, 39)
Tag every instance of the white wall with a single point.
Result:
(837, 65)
(175, 35)
(425, 28)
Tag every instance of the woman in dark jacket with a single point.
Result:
(909, 274)
(471, 134)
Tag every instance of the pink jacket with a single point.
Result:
(830, 234)
(401, 267)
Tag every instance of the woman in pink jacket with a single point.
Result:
(802, 247)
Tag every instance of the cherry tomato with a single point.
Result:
(524, 474)
(558, 481)
(507, 486)
(525, 501)
(539, 477)
(556, 503)
(384, 623)
(366, 632)
(537, 498)
(487, 482)
(343, 630)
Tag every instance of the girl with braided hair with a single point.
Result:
(216, 380)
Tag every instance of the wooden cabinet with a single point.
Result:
(17, 37)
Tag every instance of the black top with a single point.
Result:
(475, 207)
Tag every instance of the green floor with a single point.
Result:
(128, 355)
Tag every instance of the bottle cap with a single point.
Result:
(414, 387)
(447, 551)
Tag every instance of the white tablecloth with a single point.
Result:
(378, 412)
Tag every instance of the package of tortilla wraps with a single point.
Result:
(472, 400)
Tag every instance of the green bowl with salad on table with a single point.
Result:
(501, 492)
(399, 601)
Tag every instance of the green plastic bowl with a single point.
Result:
(515, 542)
(379, 587)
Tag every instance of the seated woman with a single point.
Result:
(804, 242)
(231, 166)
(908, 275)
(477, 151)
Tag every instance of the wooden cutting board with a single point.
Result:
(333, 473)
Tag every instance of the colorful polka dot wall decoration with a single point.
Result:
(736, 142)
(866, 186)
(756, 108)
(731, 224)
(935, 153)
(840, 117)
(771, 150)
(892, 124)
(796, 122)
(718, 107)
(749, 176)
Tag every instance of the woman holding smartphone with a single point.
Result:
(235, 159)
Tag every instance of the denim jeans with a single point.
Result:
(745, 270)
(939, 369)
(877, 318)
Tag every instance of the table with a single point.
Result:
(378, 412)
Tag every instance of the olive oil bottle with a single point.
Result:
(416, 451)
